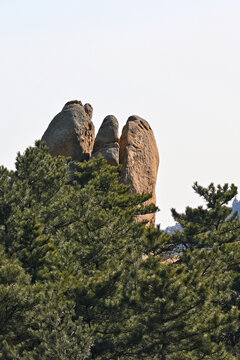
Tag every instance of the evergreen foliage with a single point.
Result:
(81, 280)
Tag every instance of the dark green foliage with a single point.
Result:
(80, 279)
(16, 302)
(71, 237)
(210, 240)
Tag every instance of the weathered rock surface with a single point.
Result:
(71, 132)
(107, 140)
(140, 159)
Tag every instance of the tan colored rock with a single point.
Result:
(71, 132)
(140, 159)
(107, 140)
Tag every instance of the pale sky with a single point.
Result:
(174, 63)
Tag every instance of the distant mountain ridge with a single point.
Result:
(236, 207)
(171, 229)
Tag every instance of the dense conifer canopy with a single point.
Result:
(81, 280)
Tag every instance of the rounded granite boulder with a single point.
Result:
(71, 132)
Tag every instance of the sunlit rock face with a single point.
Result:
(71, 132)
(107, 140)
(140, 159)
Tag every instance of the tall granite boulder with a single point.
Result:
(140, 159)
(107, 140)
(71, 132)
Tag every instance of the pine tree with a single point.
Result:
(74, 236)
(211, 236)
(16, 302)
(182, 293)
(91, 283)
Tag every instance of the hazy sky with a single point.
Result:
(174, 63)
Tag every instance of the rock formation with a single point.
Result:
(107, 140)
(140, 159)
(71, 132)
